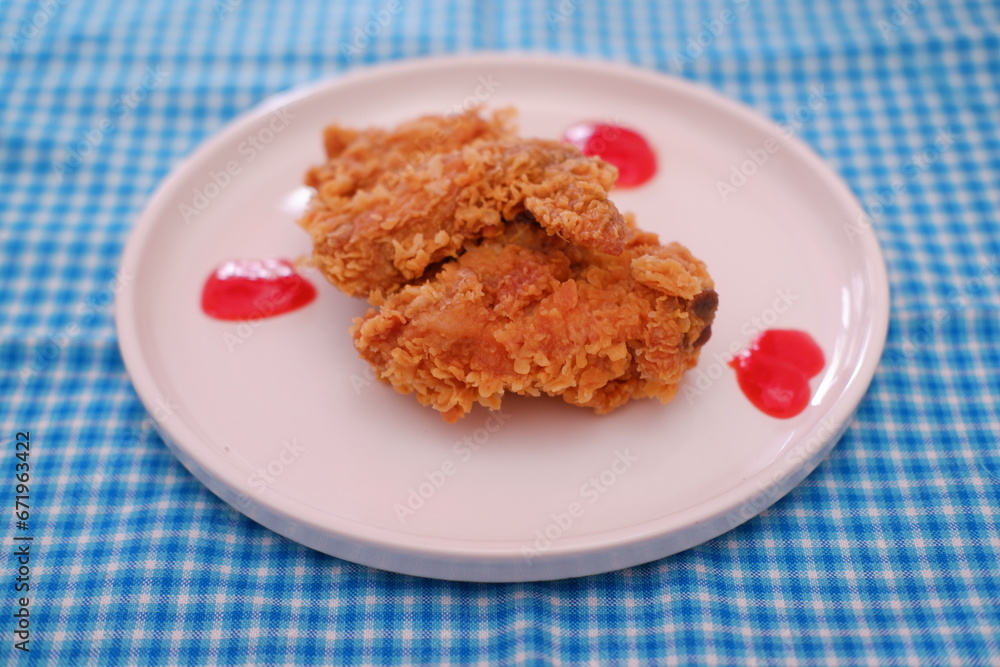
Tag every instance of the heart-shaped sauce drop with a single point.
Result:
(774, 371)
(248, 289)
(624, 148)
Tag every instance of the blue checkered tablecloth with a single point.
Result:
(888, 554)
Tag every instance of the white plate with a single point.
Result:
(280, 417)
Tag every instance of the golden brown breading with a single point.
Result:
(391, 204)
(357, 160)
(530, 313)
(497, 264)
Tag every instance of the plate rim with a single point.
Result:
(465, 559)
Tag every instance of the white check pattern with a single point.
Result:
(886, 555)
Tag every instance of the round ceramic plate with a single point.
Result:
(280, 417)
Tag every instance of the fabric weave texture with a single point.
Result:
(888, 554)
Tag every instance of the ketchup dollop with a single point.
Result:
(626, 149)
(244, 289)
(774, 371)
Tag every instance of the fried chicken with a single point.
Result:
(391, 204)
(497, 264)
(529, 313)
(359, 159)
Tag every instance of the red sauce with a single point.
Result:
(626, 149)
(245, 289)
(774, 371)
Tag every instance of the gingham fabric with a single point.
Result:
(888, 554)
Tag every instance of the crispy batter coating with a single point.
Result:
(529, 313)
(359, 159)
(497, 264)
(390, 204)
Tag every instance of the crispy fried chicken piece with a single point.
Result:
(358, 160)
(381, 216)
(530, 313)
